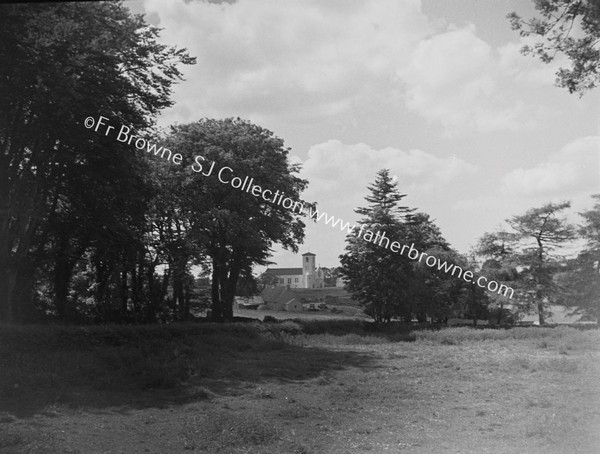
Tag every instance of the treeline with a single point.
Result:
(543, 257)
(95, 230)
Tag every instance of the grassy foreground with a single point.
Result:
(298, 387)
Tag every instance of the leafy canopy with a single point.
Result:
(570, 28)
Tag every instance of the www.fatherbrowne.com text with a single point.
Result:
(224, 174)
(380, 238)
(246, 184)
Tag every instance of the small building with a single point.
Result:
(293, 306)
(281, 299)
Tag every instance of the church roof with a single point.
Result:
(309, 253)
(284, 271)
(276, 294)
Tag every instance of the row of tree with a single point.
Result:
(92, 229)
(532, 258)
(547, 259)
(538, 255)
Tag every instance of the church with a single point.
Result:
(306, 277)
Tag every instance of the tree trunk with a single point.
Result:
(62, 275)
(8, 280)
(124, 294)
(154, 295)
(231, 286)
(217, 303)
(540, 308)
(136, 278)
(227, 297)
(500, 313)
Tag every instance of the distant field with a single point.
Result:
(315, 293)
(312, 386)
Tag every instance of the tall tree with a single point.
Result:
(582, 279)
(61, 63)
(374, 275)
(235, 226)
(497, 250)
(390, 284)
(571, 28)
(533, 247)
(428, 292)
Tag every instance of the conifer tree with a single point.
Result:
(582, 278)
(532, 247)
(374, 274)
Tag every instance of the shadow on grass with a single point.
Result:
(123, 368)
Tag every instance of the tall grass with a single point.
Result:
(370, 332)
(456, 336)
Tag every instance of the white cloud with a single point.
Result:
(277, 61)
(476, 204)
(526, 68)
(300, 60)
(455, 78)
(341, 173)
(575, 169)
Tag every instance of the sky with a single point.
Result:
(436, 91)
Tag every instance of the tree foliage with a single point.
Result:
(570, 28)
(232, 227)
(95, 230)
(63, 192)
(532, 248)
(582, 278)
(373, 275)
(392, 286)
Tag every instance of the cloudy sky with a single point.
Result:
(434, 90)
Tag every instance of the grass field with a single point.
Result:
(343, 314)
(298, 387)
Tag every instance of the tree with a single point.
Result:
(60, 63)
(247, 285)
(230, 225)
(434, 293)
(266, 280)
(497, 249)
(582, 279)
(375, 276)
(175, 246)
(389, 284)
(536, 235)
(428, 292)
(569, 27)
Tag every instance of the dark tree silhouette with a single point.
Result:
(60, 63)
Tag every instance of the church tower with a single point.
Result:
(308, 269)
